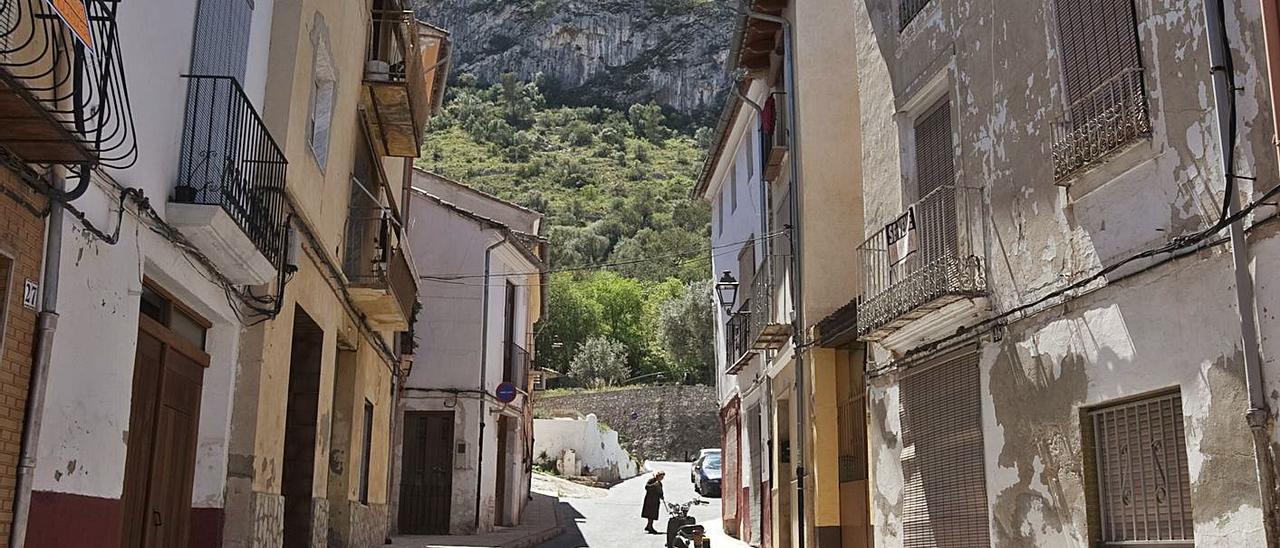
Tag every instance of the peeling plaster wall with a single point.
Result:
(1171, 327)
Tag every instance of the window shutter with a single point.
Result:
(1102, 81)
(944, 496)
(935, 163)
(1144, 488)
(221, 38)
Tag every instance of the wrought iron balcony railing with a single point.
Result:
(516, 366)
(1101, 123)
(229, 159)
(737, 340)
(63, 97)
(396, 84)
(926, 258)
(766, 332)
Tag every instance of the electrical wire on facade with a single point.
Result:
(1177, 244)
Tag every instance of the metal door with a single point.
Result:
(426, 477)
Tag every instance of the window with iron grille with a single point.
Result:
(907, 11)
(944, 492)
(1143, 488)
(1102, 79)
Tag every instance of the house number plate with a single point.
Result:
(30, 294)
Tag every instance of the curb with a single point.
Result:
(538, 537)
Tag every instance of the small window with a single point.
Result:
(366, 452)
(720, 214)
(751, 156)
(1102, 82)
(733, 188)
(323, 86)
(1143, 487)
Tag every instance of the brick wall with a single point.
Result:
(653, 422)
(21, 248)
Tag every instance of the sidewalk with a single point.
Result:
(541, 523)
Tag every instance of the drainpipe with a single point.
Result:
(1257, 415)
(797, 265)
(484, 353)
(48, 323)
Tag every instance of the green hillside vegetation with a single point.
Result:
(627, 242)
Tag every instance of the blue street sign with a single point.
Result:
(506, 392)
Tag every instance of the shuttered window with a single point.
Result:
(1102, 81)
(1142, 484)
(221, 38)
(935, 164)
(944, 496)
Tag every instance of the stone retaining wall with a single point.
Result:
(653, 422)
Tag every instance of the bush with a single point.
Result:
(600, 362)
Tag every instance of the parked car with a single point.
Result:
(706, 475)
(693, 475)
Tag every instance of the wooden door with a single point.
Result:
(500, 484)
(426, 473)
(163, 425)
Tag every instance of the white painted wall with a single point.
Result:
(596, 448)
(86, 416)
(460, 348)
(732, 228)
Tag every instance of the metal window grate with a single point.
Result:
(1144, 488)
(1102, 77)
(853, 439)
(944, 496)
(907, 11)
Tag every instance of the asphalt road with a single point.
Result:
(614, 521)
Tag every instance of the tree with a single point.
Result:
(600, 362)
(686, 331)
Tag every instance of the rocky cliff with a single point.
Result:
(595, 52)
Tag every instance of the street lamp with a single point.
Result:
(727, 291)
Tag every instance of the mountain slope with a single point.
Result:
(596, 52)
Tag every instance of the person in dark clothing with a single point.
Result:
(652, 498)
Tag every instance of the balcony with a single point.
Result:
(229, 199)
(380, 279)
(738, 351)
(1100, 124)
(926, 260)
(395, 98)
(765, 331)
(62, 87)
(775, 141)
(515, 366)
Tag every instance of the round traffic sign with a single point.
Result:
(506, 392)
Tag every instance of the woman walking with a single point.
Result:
(652, 498)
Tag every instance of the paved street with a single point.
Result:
(613, 521)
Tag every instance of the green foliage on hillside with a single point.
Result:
(625, 236)
(613, 185)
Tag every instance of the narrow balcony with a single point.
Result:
(767, 331)
(515, 366)
(380, 279)
(738, 351)
(1101, 123)
(775, 140)
(926, 260)
(395, 96)
(229, 198)
(62, 87)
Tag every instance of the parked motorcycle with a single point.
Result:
(682, 530)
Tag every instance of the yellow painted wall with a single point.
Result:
(824, 435)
